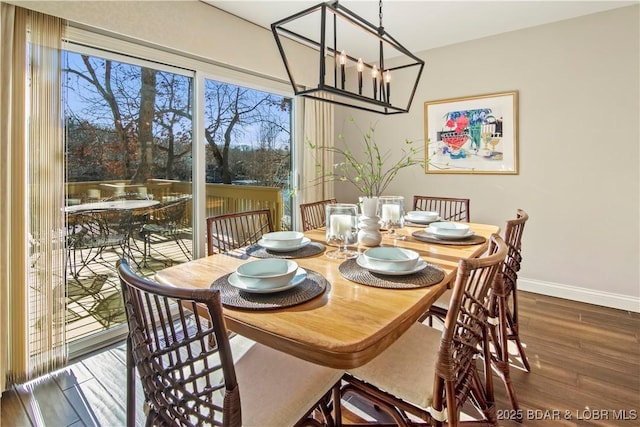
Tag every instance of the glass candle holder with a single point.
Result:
(391, 212)
(342, 231)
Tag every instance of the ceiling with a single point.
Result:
(421, 25)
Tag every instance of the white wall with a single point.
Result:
(190, 27)
(578, 83)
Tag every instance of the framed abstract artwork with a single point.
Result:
(476, 134)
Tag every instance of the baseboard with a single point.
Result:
(574, 293)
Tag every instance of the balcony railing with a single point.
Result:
(92, 313)
(221, 198)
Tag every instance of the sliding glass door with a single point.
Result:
(151, 150)
(129, 163)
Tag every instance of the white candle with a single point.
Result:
(390, 212)
(340, 224)
(93, 193)
(360, 67)
(343, 62)
(374, 78)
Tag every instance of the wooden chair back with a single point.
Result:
(183, 360)
(465, 336)
(513, 238)
(313, 215)
(450, 209)
(505, 303)
(235, 230)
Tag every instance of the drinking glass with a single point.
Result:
(391, 212)
(342, 231)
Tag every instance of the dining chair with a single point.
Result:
(504, 308)
(179, 345)
(313, 214)
(234, 230)
(431, 374)
(450, 209)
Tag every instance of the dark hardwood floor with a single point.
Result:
(585, 362)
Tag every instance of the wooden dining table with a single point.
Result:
(349, 323)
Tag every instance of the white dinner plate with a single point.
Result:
(304, 242)
(362, 262)
(440, 236)
(301, 274)
(420, 220)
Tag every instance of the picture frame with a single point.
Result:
(472, 135)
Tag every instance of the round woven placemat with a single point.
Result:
(429, 276)
(311, 249)
(426, 237)
(231, 296)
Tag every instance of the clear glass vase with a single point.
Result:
(391, 209)
(342, 219)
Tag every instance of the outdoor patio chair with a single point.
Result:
(90, 233)
(313, 214)
(167, 221)
(235, 230)
(125, 196)
(450, 209)
(431, 374)
(179, 344)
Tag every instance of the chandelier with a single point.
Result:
(359, 64)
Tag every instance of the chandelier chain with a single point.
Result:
(380, 12)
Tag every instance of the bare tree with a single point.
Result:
(145, 126)
(128, 94)
(271, 163)
(173, 120)
(231, 109)
(101, 87)
(150, 114)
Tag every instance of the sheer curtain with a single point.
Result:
(32, 223)
(319, 130)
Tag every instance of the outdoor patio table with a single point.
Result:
(349, 323)
(114, 204)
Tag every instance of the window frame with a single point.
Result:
(199, 69)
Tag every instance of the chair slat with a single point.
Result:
(450, 209)
(235, 230)
(313, 215)
(180, 347)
